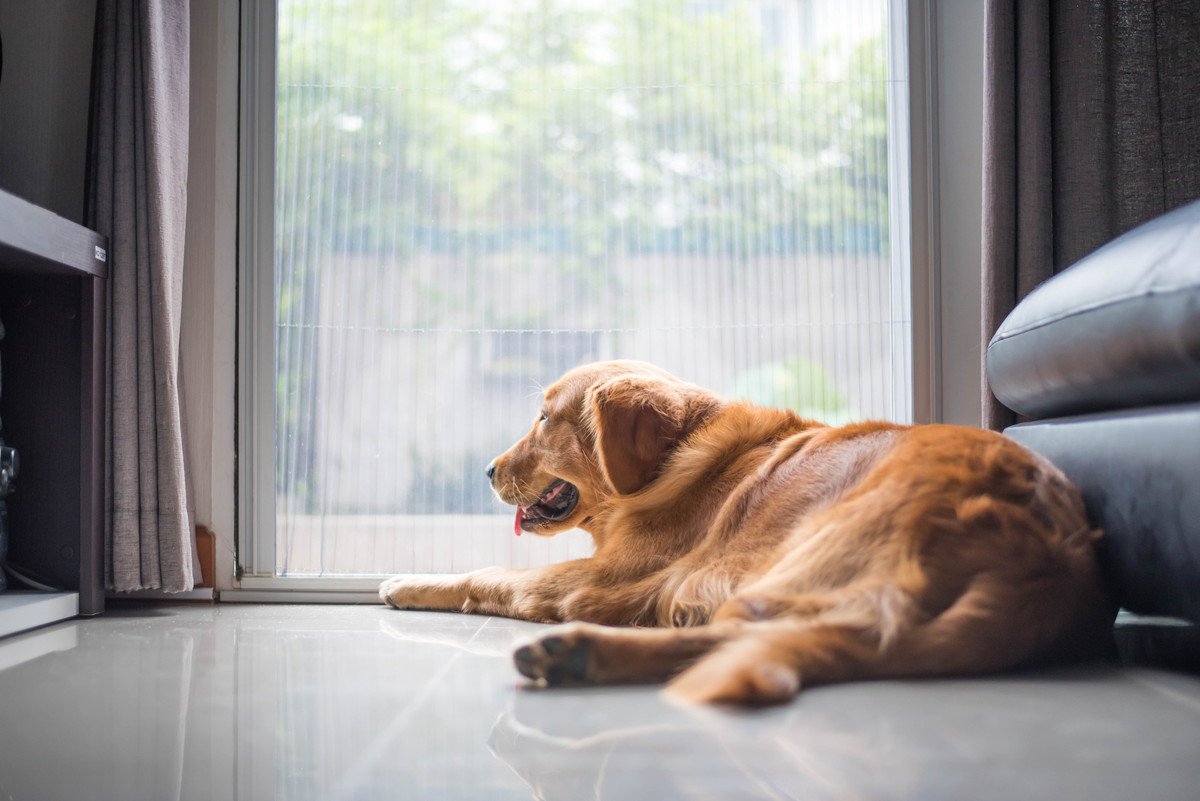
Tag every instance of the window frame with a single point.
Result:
(256, 313)
(254, 560)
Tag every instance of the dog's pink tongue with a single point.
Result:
(517, 522)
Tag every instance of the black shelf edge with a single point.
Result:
(33, 239)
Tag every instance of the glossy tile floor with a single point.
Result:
(344, 702)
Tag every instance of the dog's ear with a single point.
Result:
(635, 421)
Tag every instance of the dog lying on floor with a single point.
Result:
(768, 550)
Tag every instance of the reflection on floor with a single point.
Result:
(341, 702)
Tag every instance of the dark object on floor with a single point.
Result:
(1107, 355)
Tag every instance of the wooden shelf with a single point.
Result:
(33, 239)
(53, 296)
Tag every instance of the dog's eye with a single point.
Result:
(544, 417)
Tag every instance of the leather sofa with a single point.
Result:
(1104, 358)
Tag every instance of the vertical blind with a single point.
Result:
(472, 198)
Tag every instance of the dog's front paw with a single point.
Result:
(560, 657)
(405, 592)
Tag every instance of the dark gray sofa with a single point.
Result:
(1105, 357)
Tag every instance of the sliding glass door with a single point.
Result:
(468, 199)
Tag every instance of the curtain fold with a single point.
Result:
(137, 179)
(1091, 127)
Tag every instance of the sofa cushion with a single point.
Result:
(1119, 328)
(1137, 470)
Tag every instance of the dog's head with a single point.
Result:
(603, 431)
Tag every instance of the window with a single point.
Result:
(467, 199)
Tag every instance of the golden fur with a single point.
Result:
(770, 550)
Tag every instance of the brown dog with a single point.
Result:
(772, 549)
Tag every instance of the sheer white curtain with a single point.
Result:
(471, 199)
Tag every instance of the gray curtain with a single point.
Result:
(137, 180)
(1091, 127)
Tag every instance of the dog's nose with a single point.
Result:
(491, 469)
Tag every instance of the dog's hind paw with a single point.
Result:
(560, 657)
(736, 676)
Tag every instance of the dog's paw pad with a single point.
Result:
(557, 659)
(527, 661)
(555, 646)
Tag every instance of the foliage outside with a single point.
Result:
(505, 136)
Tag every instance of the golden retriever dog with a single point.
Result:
(746, 550)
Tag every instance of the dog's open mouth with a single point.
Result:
(556, 503)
